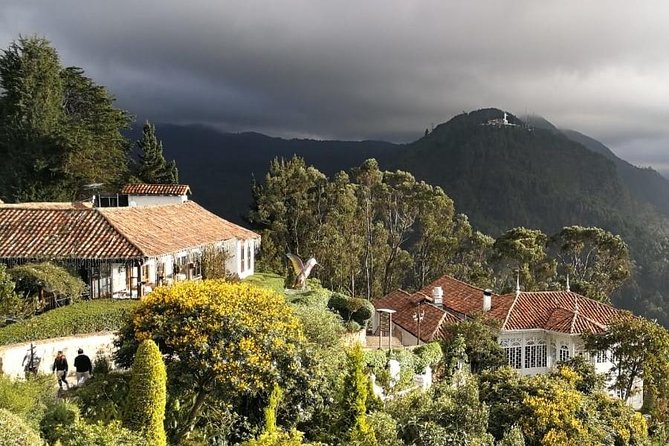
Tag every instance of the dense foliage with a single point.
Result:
(59, 130)
(15, 432)
(219, 337)
(31, 278)
(147, 395)
(79, 318)
(153, 169)
(376, 231)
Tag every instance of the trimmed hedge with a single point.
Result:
(145, 410)
(79, 318)
(351, 308)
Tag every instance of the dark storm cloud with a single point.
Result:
(372, 69)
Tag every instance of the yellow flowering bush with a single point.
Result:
(217, 335)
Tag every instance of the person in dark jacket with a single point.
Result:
(60, 367)
(83, 366)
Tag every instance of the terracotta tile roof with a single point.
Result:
(49, 205)
(406, 305)
(155, 189)
(169, 228)
(560, 311)
(60, 232)
(462, 298)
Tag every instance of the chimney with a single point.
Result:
(438, 296)
(487, 300)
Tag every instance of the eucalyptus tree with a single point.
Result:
(522, 251)
(596, 261)
(286, 209)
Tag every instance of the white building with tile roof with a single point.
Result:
(537, 329)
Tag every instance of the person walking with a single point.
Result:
(83, 366)
(60, 367)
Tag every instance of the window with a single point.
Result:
(564, 353)
(514, 350)
(602, 357)
(243, 258)
(535, 353)
(197, 265)
(248, 254)
(145, 273)
(180, 266)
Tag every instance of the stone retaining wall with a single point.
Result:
(11, 356)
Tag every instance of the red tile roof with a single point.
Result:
(407, 305)
(155, 189)
(560, 311)
(172, 227)
(61, 231)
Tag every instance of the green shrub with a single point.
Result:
(279, 438)
(103, 397)
(99, 434)
(58, 417)
(377, 362)
(15, 432)
(427, 355)
(145, 410)
(101, 365)
(27, 399)
(79, 318)
(352, 308)
(513, 437)
(10, 303)
(360, 432)
(320, 325)
(385, 429)
(32, 277)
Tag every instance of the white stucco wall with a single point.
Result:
(119, 277)
(11, 356)
(148, 200)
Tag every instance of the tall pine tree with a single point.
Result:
(58, 129)
(152, 165)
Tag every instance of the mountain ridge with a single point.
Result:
(500, 174)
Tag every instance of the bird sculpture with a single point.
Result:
(302, 270)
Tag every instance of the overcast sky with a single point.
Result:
(382, 69)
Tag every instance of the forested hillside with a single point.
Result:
(520, 175)
(501, 177)
(221, 166)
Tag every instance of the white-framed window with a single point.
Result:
(564, 353)
(514, 351)
(197, 264)
(248, 254)
(243, 257)
(181, 265)
(602, 356)
(146, 273)
(535, 353)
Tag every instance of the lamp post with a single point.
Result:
(418, 316)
